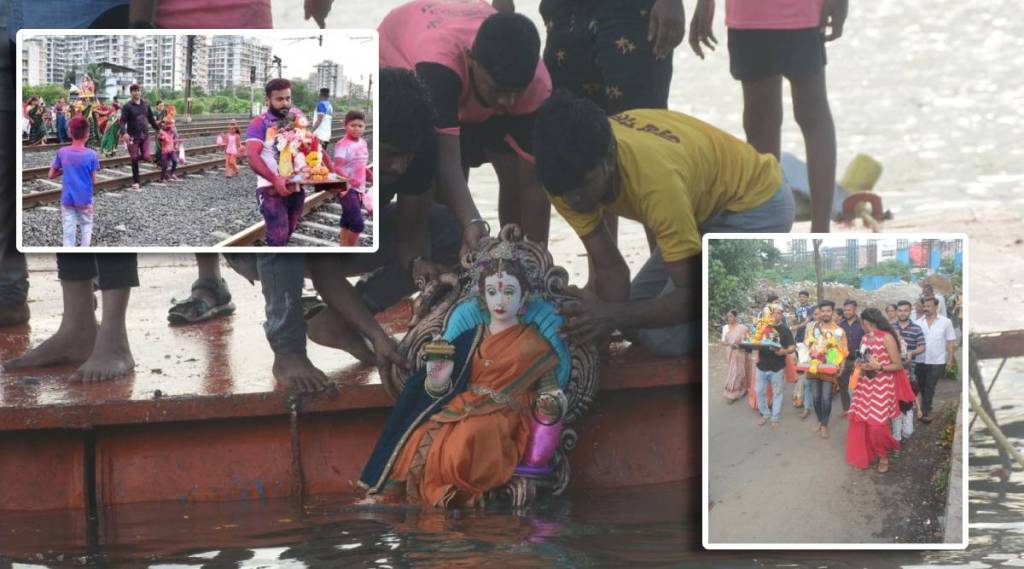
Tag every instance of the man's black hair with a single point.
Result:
(931, 299)
(325, 92)
(508, 47)
(571, 137)
(904, 303)
(407, 114)
(803, 293)
(278, 84)
(850, 301)
(827, 303)
(772, 297)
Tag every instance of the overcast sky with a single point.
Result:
(300, 52)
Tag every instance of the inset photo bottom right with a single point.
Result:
(833, 416)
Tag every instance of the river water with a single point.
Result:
(931, 88)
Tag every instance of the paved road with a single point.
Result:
(788, 485)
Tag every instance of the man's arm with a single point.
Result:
(593, 318)
(452, 189)
(319, 117)
(253, 148)
(413, 230)
(151, 118)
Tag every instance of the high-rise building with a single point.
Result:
(230, 61)
(327, 74)
(163, 61)
(33, 62)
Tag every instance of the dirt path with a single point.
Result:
(788, 485)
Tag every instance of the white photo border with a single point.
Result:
(352, 33)
(705, 338)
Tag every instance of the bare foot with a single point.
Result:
(817, 427)
(108, 361)
(69, 345)
(824, 432)
(763, 421)
(296, 372)
(805, 414)
(775, 424)
(329, 329)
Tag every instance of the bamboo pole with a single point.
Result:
(995, 431)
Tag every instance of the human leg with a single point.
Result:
(13, 270)
(763, 378)
(813, 115)
(75, 337)
(651, 281)
(69, 221)
(632, 76)
(111, 356)
(281, 278)
(209, 297)
(276, 216)
(778, 394)
(85, 216)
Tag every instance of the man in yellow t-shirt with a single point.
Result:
(678, 176)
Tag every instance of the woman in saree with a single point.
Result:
(92, 115)
(60, 120)
(882, 384)
(736, 377)
(37, 126)
(461, 426)
(108, 144)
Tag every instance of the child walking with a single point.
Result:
(231, 141)
(350, 157)
(168, 151)
(78, 166)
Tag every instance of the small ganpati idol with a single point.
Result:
(484, 407)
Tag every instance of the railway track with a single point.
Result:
(320, 225)
(184, 132)
(110, 177)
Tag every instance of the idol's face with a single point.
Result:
(504, 295)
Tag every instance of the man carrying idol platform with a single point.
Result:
(678, 176)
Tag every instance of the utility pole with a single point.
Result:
(190, 51)
(252, 91)
(369, 98)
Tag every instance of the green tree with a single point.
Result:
(732, 265)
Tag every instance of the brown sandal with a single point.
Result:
(883, 467)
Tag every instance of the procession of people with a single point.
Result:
(885, 369)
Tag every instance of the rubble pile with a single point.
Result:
(838, 293)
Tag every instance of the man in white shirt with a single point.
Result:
(322, 118)
(927, 291)
(937, 359)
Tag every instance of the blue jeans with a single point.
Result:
(775, 377)
(653, 280)
(808, 395)
(822, 400)
(281, 277)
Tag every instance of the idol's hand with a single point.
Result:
(439, 375)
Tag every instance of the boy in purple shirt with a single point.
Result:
(78, 166)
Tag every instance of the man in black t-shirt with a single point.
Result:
(770, 368)
(136, 115)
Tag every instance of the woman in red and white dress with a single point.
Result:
(876, 398)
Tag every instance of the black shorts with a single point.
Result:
(598, 49)
(759, 54)
(492, 136)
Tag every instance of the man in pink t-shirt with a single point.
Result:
(769, 40)
(487, 81)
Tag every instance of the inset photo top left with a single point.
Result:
(197, 140)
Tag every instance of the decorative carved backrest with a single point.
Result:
(438, 302)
